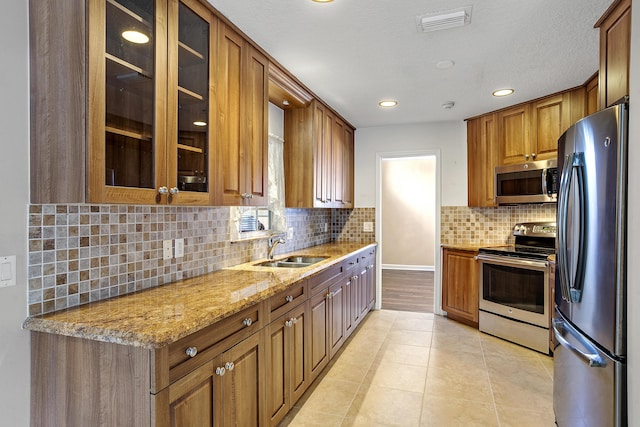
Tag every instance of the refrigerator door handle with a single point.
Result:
(571, 286)
(561, 328)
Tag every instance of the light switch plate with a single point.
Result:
(290, 233)
(179, 248)
(7, 271)
(367, 227)
(167, 249)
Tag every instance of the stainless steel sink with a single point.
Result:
(294, 261)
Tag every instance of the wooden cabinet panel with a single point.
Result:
(514, 126)
(460, 285)
(337, 310)
(615, 45)
(482, 154)
(592, 95)
(551, 116)
(318, 158)
(193, 398)
(319, 337)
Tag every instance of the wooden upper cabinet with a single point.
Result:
(242, 120)
(514, 127)
(551, 116)
(125, 131)
(482, 154)
(591, 95)
(615, 45)
(318, 158)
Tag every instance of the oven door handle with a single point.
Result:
(511, 262)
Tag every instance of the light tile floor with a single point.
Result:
(419, 369)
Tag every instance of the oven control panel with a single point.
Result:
(535, 229)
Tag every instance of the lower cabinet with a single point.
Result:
(228, 390)
(460, 291)
(248, 369)
(288, 369)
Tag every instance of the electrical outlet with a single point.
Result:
(290, 233)
(326, 227)
(179, 248)
(167, 249)
(367, 227)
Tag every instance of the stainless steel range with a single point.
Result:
(514, 286)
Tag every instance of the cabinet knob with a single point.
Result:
(354, 277)
(526, 157)
(163, 190)
(288, 298)
(174, 191)
(293, 320)
(247, 322)
(192, 351)
(246, 196)
(220, 371)
(288, 323)
(533, 155)
(229, 366)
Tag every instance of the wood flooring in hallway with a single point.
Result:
(407, 290)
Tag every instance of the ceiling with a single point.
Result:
(354, 53)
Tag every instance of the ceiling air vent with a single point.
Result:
(445, 19)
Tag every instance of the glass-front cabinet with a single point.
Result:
(149, 101)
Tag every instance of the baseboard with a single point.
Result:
(408, 267)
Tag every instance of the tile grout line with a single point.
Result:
(486, 369)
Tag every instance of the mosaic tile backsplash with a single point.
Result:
(84, 253)
(461, 225)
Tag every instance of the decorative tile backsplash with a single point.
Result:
(83, 253)
(461, 225)
(348, 224)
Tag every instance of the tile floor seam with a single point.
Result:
(426, 378)
(486, 370)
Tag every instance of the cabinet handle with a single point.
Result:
(220, 371)
(163, 190)
(229, 366)
(371, 266)
(354, 277)
(247, 322)
(352, 262)
(329, 295)
(526, 157)
(293, 320)
(174, 191)
(288, 298)
(246, 196)
(192, 351)
(288, 323)
(533, 155)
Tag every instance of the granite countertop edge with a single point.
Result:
(155, 317)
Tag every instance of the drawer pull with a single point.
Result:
(352, 262)
(288, 298)
(192, 351)
(220, 371)
(247, 322)
(289, 323)
(229, 366)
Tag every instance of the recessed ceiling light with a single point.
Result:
(322, 1)
(388, 103)
(135, 37)
(199, 123)
(443, 65)
(503, 92)
(448, 105)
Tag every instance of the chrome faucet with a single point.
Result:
(273, 242)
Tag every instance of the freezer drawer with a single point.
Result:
(589, 387)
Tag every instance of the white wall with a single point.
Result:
(408, 212)
(448, 137)
(14, 176)
(633, 254)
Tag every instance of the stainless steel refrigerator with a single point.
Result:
(589, 324)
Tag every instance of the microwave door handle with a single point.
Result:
(545, 181)
(589, 354)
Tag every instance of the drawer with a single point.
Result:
(192, 351)
(316, 282)
(279, 304)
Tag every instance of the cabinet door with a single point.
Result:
(550, 118)
(615, 45)
(592, 96)
(337, 163)
(298, 360)
(230, 57)
(336, 319)
(126, 98)
(363, 283)
(482, 143)
(371, 282)
(514, 134)
(243, 383)
(349, 306)
(318, 335)
(348, 167)
(193, 398)
(191, 117)
(256, 123)
(460, 285)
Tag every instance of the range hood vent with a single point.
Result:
(445, 19)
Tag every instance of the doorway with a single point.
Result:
(408, 221)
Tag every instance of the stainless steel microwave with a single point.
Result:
(532, 182)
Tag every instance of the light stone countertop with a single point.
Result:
(155, 317)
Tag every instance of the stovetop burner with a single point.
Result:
(533, 240)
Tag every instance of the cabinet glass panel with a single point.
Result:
(129, 145)
(193, 101)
